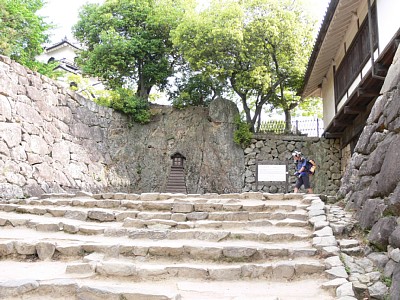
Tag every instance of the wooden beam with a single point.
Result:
(332, 135)
(379, 67)
(367, 94)
(353, 110)
(342, 123)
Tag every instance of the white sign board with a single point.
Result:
(271, 172)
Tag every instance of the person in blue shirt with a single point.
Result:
(302, 173)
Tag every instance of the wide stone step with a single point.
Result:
(163, 196)
(160, 231)
(267, 231)
(139, 270)
(250, 251)
(216, 235)
(162, 246)
(186, 205)
(140, 219)
(103, 289)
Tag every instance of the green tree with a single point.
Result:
(310, 108)
(23, 33)
(128, 42)
(258, 48)
(194, 89)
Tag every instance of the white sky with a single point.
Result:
(64, 16)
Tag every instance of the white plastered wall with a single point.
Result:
(63, 52)
(388, 20)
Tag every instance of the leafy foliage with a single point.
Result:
(84, 87)
(126, 101)
(311, 107)
(23, 32)
(257, 48)
(242, 135)
(194, 90)
(128, 42)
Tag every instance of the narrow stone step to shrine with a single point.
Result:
(162, 246)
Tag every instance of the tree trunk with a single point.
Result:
(142, 91)
(288, 121)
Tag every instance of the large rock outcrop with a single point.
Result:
(54, 140)
(371, 185)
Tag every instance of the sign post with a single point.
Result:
(272, 171)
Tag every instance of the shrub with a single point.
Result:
(126, 101)
(242, 135)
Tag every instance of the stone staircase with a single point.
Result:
(165, 246)
(176, 180)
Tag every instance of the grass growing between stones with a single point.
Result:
(387, 281)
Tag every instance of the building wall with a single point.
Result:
(328, 93)
(388, 20)
(388, 24)
(63, 52)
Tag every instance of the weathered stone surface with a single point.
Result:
(337, 272)
(378, 290)
(182, 207)
(285, 271)
(25, 248)
(70, 250)
(326, 231)
(309, 268)
(111, 268)
(70, 228)
(389, 268)
(17, 287)
(394, 254)
(195, 216)
(188, 272)
(204, 253)
(371, 212)
(60, 287)
(395, 288)
(45, 250)
(228, 273)
(238, 252)
(87, 229)
(333, 261)
(48, 227)
(381, 231)
(386, 181)
(394, 238)
(11, 133)
(334, 283)
(79, 268)
(8, 191)
(76, 215)
(165, 251)
(101, 216)
(6, 248)
(379, 259)
(324, 241)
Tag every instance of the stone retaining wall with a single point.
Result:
(53, 140)
(279, 148)
(371, 184)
